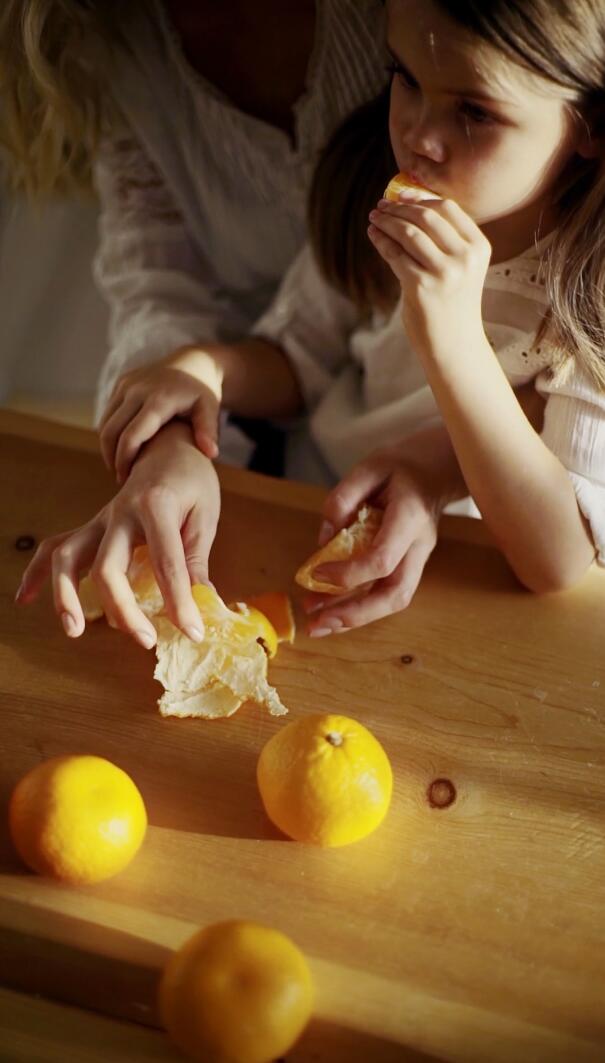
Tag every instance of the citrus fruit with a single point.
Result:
(325, 779)
(236, 992)
(277, 608)
(77, 818)
(212, 678)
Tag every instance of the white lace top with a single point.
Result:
(365, 388)
(203, 206)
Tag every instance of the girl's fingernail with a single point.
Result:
(146, 639)
(319, 632)
(69, 624)
(373, 215)
(194, 633)
(382, 203)
(326, 532)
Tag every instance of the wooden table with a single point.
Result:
(474, 932)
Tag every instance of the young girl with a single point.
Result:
(496, 109)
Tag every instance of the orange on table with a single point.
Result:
(236, 992)
(78, 818)
(325, 779)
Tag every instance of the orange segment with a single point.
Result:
(277, 607)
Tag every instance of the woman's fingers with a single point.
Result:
(71, 557)
(38, 570)
(113, 427)
(109, 573)
(388, 596)
(163, 535)
(342, 504)
(382, 557)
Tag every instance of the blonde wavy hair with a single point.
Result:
(54, 103)
(563, 43)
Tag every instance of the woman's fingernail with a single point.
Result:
(326, 532)
(69, 625)
(330, 627)
(19, 593)
(194, 633)
(313, 607)
(146, 639)
(319, 632)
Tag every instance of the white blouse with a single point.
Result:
(203, 206)
(365, 388)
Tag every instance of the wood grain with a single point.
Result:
(474, 932)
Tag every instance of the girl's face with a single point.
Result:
(473, 126)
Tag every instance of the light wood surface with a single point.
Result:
(469, 933)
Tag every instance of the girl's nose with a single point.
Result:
(422, 138)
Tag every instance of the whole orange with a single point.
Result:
(80, 819)
(236, 992)
(325, 779)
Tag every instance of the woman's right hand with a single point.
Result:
(171, 501)
(187, 384)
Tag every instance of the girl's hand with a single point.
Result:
(440, 257)
(187, 384)
(384, 579)
(171, 501)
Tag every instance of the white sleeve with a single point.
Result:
(158, 289)
(574, 430)
(312, 323)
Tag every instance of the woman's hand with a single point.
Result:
(382, 580)
(440, 258)
(187, 385)
(171, 501)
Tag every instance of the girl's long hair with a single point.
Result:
(53, 90)
(562, 42)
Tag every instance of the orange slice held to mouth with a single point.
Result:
(403, 180)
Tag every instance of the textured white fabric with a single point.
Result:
(365, 388)
(203, 205)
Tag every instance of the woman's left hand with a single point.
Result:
(440, 258)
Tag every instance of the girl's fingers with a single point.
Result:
(144, 426)
(204, 421)
(412, 239)
(395, 254)
(71, 557)
(114, 426)
(163, 535)
(109, 573)
(390, 595)
(430, 220)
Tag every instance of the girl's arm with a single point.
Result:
(252, 378)
(523, 491)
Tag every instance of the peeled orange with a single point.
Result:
(236, 992)
(325, 779)
(80, 819)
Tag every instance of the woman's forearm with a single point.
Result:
(523, 491)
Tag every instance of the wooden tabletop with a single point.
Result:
(474, 932)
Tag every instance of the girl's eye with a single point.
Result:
(475, 113)
(395, 69)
